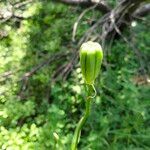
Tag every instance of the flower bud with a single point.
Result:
(91, 56)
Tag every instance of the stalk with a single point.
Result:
(82, 121)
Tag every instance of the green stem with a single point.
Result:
(82, 120)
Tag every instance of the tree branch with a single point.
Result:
(101, 5)
(142, 11)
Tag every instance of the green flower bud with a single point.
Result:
(91, 56)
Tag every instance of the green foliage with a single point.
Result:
(38, 114)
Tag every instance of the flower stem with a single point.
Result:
(82, 121)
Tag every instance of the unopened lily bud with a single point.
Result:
(91, 56)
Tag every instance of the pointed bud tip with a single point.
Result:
(90, 46)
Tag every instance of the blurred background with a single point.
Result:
(42, 93)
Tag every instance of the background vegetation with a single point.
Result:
(40, 105)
